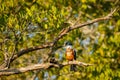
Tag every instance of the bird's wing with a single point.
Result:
(74, 55)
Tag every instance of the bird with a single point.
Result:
(70, 54)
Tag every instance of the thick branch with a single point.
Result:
(34, 48)
(39, 66)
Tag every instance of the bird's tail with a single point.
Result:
(73, 67)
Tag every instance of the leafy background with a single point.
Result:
(25, 23)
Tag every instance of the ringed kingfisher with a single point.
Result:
(70, 55)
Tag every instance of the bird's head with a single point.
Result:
(68, 45)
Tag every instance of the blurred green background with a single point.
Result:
(26, 23)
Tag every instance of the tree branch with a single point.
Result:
(34, 48)
(6, 72)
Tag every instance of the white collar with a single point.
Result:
(69, 46)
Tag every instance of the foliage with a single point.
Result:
(26, 23)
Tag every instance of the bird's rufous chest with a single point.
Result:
(69, 55)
